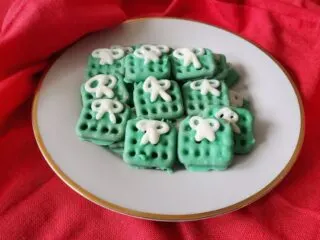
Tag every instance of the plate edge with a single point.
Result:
(171, 217)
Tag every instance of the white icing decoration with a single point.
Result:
(236, 99)
(229, 116)
(150, 52)
(157, 87)
(110, 106)
(152, 130)
(205, 128)
(189, 56)
(107, 56)
(163, 48)
(105, 84)
(124, 48)
(205, 86)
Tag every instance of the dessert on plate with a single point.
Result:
(155, 106)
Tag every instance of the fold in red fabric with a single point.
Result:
(36, 204)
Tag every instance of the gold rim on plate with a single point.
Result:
(168, 217)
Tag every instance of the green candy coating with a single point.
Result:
(195, 102)
(205, 155)
(160, 156)
(102, 131)
(159, 109)
(124, 139)
(116, 148)
(136, 70)
(181, 72)
(120, 91)
(94, 67)
(243, 142)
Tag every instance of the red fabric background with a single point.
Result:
(35, 204)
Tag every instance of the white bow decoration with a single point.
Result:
(110, 106)
(205, 86)
(107, 56)
(189, 56)
(124, 48)
(205, 128)
(150, 52)
(157, 87)
(229, 116)
(104, 85)
(152, 130)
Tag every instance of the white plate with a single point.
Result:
(106, 180)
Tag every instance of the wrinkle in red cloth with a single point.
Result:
(35, 204)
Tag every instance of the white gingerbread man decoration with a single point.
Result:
(103, 87)
(110, 106)
(236, 99)
(157, 88)
(152, 129)
(189, 56)
(150, 52)
(107, 55)
(205, 128)
(229, 116)
(206, 86)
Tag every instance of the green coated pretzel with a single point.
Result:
(205, 155)
(161, 155)
(159, 109)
